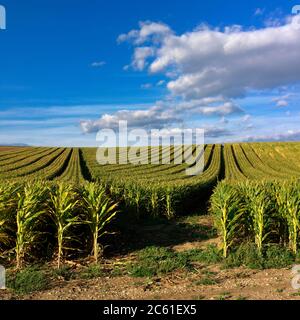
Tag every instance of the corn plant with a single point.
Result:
(100, 210)
(288, 204)
(169, 204)
(259, 206)
(8, 200)
(29, 210)
(62, 212)
(154, 201)
(4, 238)
(227, 211)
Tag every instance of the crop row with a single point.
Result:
(37, 216)
(264, 213)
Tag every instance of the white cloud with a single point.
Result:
(146, 86)
(289, 135)
(259, 12)
(246, 118)
(162, 114)
(208, 62)
(140, 56)
(161, 83)
(98, 64)
(282, 103)
(154, 117)
(225, 109)
(147, 30)
(207, 69)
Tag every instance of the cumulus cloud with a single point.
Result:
(148, 30)
(154, 117)
(208, 62)
(162, 114)
(140, 57)
(207, 69)
(221, 110)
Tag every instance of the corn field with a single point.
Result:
(64, 197)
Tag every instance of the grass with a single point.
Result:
(209, 255)
(224, 296)
(28, 281)
(206, 281)
(154, 261)
(274, 256)
(64, 272)
(91, 272)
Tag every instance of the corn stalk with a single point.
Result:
(100, 210)
(61, 210)
(288, 203)
(258, 204)
(29, 210)
(227, 211)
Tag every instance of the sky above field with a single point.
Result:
(71, 68)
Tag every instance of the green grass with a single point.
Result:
(206, 281)
(92, 271)
(64, 272)
(28, 281)
(154, 261)
(274, 256)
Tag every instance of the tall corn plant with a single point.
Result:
(288, 204)
(100, 210)
(4, 238)
(227, 211)
(259, 206)
(62, 212)
(8, 200)
(169, 209)
(29, 210)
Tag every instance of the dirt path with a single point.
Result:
(230, 284)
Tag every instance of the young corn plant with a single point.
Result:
(259, 206)
(100, 210)
(8, 201)
(4, 238)
(62, 212)
(169, 204)
(154, 202)
(288, 204)
(227, 211)
(29, 209)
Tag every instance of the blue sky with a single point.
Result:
(64, 75)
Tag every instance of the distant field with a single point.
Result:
(255, 161)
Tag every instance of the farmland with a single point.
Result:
(252, 161)
(63, 196)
